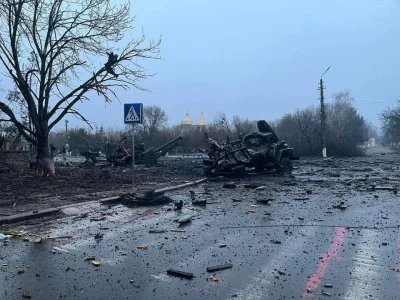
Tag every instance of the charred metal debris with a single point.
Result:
(120, 155)
(257, 152)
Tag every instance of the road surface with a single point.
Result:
(296, 247)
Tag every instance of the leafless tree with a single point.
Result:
(154, 119)
(48, 48)
(346, 129)
(242, 125)
(390, 119)
(222, 124)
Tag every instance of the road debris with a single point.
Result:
(178, 205)
(341, 206)
(384, 188)
(95, 263)
(251, 186)
(36, 239)
(213, 278)
(275, 242)
(264, 201)
(90, 258)
(143, 247)
(97, 219)
(301, 198)
(12, 233)
(59, 237)
(157, 231)
(185, 219)
(178, 230)
(219, 267)
(230, 185)
(200, 202)
(180, 273)
(99, 236)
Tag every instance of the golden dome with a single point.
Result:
(187, 120)
(202, 120)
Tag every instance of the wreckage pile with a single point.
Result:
(120, 155)
(259, 151)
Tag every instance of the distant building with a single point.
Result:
(187, 123)
(16, 144)
(202, 120)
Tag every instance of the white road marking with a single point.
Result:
(366, 270)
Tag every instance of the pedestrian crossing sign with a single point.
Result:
(133, 113)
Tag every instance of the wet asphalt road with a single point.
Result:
(324, 252)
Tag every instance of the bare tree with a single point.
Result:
(222, 125)
(154, 119)
(242, 125)
(390, 119)
(48, 46)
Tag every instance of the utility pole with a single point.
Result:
(66, 130)
(323, 115)
(67, 138)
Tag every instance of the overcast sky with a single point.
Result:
(261, 59)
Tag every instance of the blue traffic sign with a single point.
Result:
(133, 113)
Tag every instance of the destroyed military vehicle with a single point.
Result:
(119, 155)
(259, 151)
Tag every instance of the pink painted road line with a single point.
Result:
(332, 253)
(398, 250)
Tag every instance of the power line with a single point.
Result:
(389, 101)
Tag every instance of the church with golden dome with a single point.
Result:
(187, 122)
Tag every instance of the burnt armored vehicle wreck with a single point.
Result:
(256, 152)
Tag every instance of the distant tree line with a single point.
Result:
(347, 131)
(391, 126)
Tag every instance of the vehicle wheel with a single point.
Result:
(287, 166)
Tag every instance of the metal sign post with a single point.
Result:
(133, 158)
(133, 114)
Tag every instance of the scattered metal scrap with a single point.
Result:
(180, 273)
(257, 151)
(219, 267)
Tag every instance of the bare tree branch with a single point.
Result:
(80, 117)
(46, 47)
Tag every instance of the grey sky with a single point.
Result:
(261, 59)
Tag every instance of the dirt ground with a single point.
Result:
(22, 192)
(26, 191)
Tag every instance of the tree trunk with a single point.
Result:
(44, 156)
